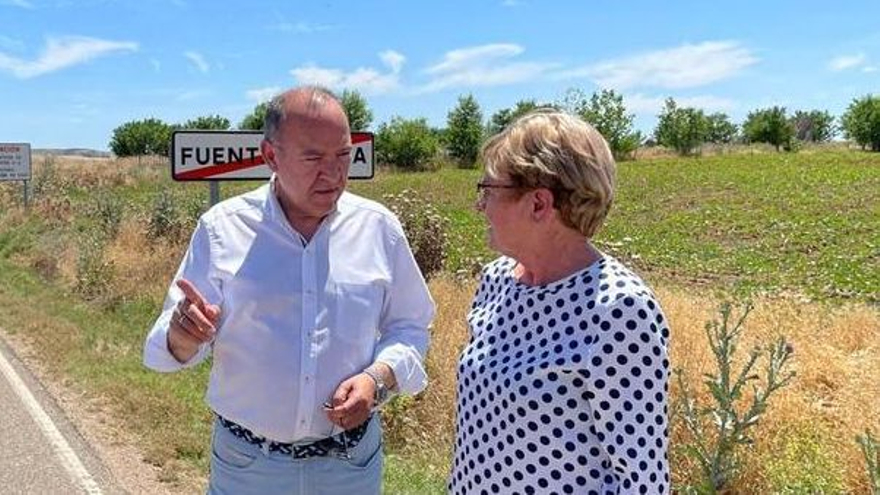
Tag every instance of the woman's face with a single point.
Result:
(498, 199)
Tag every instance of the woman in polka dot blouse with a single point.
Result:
(563, 386)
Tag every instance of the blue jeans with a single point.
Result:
(239, 468)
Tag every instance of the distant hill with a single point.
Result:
(71, 152)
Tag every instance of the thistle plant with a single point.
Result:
(872, 460)
(720, 428)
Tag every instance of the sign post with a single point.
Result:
(15, 164)
(215, 156)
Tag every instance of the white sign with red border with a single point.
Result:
(235, 155)
(15, 161)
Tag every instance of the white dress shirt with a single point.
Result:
(298, 318)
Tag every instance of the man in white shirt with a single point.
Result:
(311, 303)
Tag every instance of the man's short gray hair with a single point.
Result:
(276, 111)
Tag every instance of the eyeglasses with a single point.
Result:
(483, 188)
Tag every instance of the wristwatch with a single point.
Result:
(382, 394)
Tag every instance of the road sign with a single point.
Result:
(15, 161)
(235, 155)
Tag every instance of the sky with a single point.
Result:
(72, 71)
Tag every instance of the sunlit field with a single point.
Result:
(83, 272)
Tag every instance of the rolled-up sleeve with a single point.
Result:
(407, 312)
(195, 267)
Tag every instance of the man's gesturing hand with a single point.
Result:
(352, 402)
(193, 322)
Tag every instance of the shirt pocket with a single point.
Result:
(358, 308)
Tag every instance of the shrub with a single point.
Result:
(861, 122)
(141, 137)
(606, 112)
(682, 129)
(93, 274)
(721, 129)
(207, 122)
(164, 217)
(872, 460)
(504, 117)
(407, 144)
(464, 132)
(108, 210)
(815, 126)
(425, 228)
(356, 109)
(718, 430)
(770, 125)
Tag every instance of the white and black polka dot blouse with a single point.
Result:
(563, 387)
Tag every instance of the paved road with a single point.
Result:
(40, 451)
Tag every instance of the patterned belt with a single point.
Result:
(337, 445)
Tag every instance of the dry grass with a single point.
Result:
(137, 268)
(832, 399)
(837, 348)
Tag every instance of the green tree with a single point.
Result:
(359, 114)
(141, 137)
(464, 131)
(769, 125)
(682, 129)
(606, 112)
(208, 122)
(721, 129)
(502, 118)
(254, 120)
(816, 126)
(409, 144)
(861, 122)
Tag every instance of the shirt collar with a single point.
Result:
(275, 213)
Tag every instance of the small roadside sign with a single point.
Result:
(235, 155)
(15, 161)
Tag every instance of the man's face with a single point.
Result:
(310, 156)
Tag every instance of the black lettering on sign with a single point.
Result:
(218, 155)
(359, 156)
(203, 160)
(253, 151)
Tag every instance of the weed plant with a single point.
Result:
(719, 430)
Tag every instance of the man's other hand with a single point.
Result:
(352, 402)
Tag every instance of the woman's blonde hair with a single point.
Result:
(551, 149)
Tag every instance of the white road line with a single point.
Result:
(68, 458)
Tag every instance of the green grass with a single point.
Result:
(807, 223)
(410, 477)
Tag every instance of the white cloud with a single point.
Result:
(652, 105)
(157, 66)
(262, 94)
(511, 3)
(61, 53)
(844, 62)
(198, 61)
(393, 60)
(486, 65)
(18, 3)
(682, 67)
(364, 79)
(301, 27)
(869, 69)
